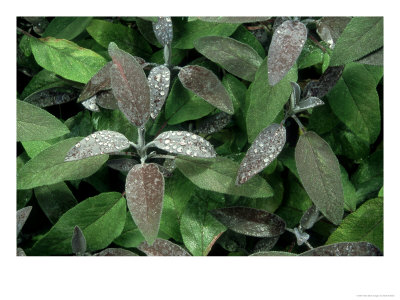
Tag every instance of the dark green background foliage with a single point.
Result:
(340, 151)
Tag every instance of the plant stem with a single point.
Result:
(141, 144)
(24, 32)
(167, 54)
(302, 128)
(162, 156)
(308, 245)
(123, 153)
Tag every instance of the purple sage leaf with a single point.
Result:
(99, 82)
(163, 30)
(296, 93)
(307, 103)
(22, 216)
(310, 217)
(78, 242)
(162, 248)
(106, 100)
(90, 104)
(115, 252)
(129, 85)
(266, 244)
(144, 194)
(345, 249)
(250, 221)
(327, 81)
(185, 143)
(213, 123)
(265, 148)
(286, 45)
(330, 28)
(205, 84)
(122, 164)
(52, 96)
(159, 80)
(98, 143)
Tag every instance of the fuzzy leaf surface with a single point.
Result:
(233, 20)
(115, 252)
(22, 216)
(213, 123)
(326, 82)
(122, 164)
(162, 247)
(159, 81)
(163, 30)
(78, 242)
(99, 82)
(91, 105)
(309, 217)
(344, 249)
(130, 236)
(66, 27)
(52, 96)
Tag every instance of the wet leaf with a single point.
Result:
(361, 36)
(213, 123)
(327, 81)
(122, 164)
(90, 104)
(36, 124)
(265, 148)
(319, 172)
(185, 143)
(41, 81)
(130, 86)
(66, 27)
(242, 34)
(22, 216)
(344, 249)
(99, 142)
(144, 193)
(78, 242)
(308, 103)
(309, 218)
(250, 221)
(159, 81)
(162, 248)
(234, 56)
(237, 20)
(219, 174)
(330, 28)
(52, 96)
(99, 82)
(206, 85)
(163, 30)
(115, 252)
(286, 45)
(296, 93)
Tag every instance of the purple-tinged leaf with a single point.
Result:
(99, 82)
(159, 81)
(345, 249)
(115, 252)
(286, 45)
(330, 28)
(169, 166)
(307, 103)
(310, 217)
(163, 248)
(206, 85)
(106, 100)
(22, 216)
(296, 93)
(100, 142)
(52, 96)
(185, 143)
(90, 104)
(213, 123)
(122, 164)
(144, 194)
(163, 30)
(250, 221)
(266, 244)
(327, 81)
(265, 148)
(78, 242)
(20, 252)
(129, 85)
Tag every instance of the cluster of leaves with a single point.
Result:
(249, 136)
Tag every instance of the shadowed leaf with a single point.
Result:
(206, 85)
(273, 253)
(375, 58)
(296, 93)
(162, 248)
(52, 96)
(90, 104)
(250, 221)
(330, 28)
(345, 249)
(20, 252)
(309, 218)
(99, 82)
(78, 242)
(122, 164)
(163, 30)
(99, 142)
(144, 193)
(327, 81)
(106, 100)
(159, 81)
(266, 244)
(22, 216)
(307, 103)
(286, 45)
(66, 27)
(233, 20)
(115, 252)
(213, 123)
(130, 236)
(232, 241)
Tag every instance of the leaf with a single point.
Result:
(374, 58)
(185, 143)
(101, 219)
(36, 124)
(55, 200)
(213, 123)
(250, 221)
(90, 104)
(20, 252)
(130, 236)
(245, 36)
(319, 172)
(233, 20)
(308, 103)
(162, 248)
(355, 101)
(361, 36)
(128, 39)
(219, 174)
(266, 102)
(266, 244)
(48, 167)
(99, 82)
(206, 85)
(286, 45)
(330, 28)
(163, 30)
(22, 216)
(99, 142)
(273, 253)
(107, 100)
(310, 55)
(129, 85)
(265, 148)
(327, 81)
(66, 27)
(235, 57)
(309, 218)
(144, 192)
(66, 58)
(52, 96)
(40, 81)
(145, 27)
(199, 228)
(122, 164)
(78, 242)
(232, 241)
(115, 252)
(159, 80)
(344, 249)
(349, 191)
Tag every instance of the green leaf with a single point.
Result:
(243, 35)
(350, 144)
(130, 236)
(219, 175)
(199, 228)
(36, 124)
(66, 27)
(42, 80)
(267, 101)
(185, 33)
(355, 101)
(114, 120)
(66, 58)
(361, 36)
(33, 148)
(380, 194)
(232, 20)
(48, 167)
(101, 218)
(237, 91)
(365, 224)
(235, 57)
(126, 38)
(273, 253)
(310, 55)
(177, 56)
(322, 120)
(55, 200)
(146, 29)
(319, 172)
(349, 191)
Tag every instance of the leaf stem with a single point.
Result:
(24, 32)
(302, 128)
